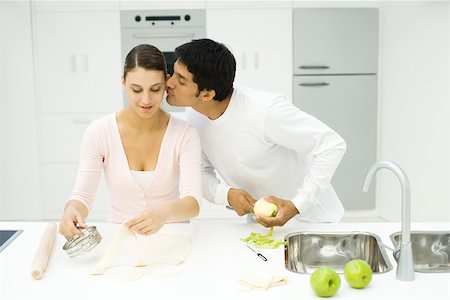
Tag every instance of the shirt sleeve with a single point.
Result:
(89, 168)
(288, 126)
(190, 176)
(214, 190)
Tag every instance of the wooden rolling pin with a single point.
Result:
(44, 251)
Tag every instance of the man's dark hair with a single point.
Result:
(212, 65)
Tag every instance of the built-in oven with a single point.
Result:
(164, 29)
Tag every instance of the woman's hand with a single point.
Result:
(150, 221)
(74, 216)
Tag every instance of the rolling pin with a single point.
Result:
(44, 251)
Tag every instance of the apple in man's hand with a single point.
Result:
(358, 273)
(325, 282)
(265, 208)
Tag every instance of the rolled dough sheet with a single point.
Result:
(156, 255)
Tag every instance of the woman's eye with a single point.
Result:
(136, 91)
(156, 90)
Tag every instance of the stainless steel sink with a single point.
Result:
(306, 251)
(430, 249)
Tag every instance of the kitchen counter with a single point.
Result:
(211, 270)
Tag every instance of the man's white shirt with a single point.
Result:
(266, 146)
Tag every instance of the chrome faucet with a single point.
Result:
(405, 267)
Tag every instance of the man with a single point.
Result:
(259, 143)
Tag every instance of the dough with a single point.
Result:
(122, 234)
(260, 281)
(157, 255)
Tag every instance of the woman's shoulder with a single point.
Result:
(105, 122)
(181, 127)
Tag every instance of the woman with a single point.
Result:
(151, 160)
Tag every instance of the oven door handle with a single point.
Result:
(163, 35)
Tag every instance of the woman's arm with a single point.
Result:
(90, 167)
(152, 220)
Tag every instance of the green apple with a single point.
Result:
(358, 273)
(325, 282)
(265, 208)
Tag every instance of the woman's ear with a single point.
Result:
(123, 81)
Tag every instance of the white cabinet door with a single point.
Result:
(335, 40)
(78, 61)
(348, 104)
(261, 41)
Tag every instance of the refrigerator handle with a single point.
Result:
(313, 67)
(313, 84)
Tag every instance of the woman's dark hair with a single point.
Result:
(212, 65)
(145, 56)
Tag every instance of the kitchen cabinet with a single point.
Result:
(78, 69)
(335, 80)
(335, 41)
(78, 61)
(348, 104)
(261, 41)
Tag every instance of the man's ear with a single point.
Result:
(207, 95)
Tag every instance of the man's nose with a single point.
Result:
(169, 82)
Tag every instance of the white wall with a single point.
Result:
(2, 17)
(18, 137)
(414, 108)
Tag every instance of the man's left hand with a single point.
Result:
(286, 210)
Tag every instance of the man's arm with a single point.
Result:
(294, 129)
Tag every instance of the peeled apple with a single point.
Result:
(265, 208)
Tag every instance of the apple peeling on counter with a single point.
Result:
(263, 241)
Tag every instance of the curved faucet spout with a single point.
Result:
(405, 267)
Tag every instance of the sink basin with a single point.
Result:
(307, 251)
(430, 249)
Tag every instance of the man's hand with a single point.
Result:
(241, 201)
(286, 210)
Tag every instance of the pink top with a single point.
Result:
(177, 173)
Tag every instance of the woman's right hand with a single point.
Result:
(74, 217)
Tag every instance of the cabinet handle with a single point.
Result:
(256, 60)
(85, 63)
(163, 35)
(73, 63)
(243, 61)
(313, 84)
(313, 67)
(81, 121)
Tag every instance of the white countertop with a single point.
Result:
(211, 270)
